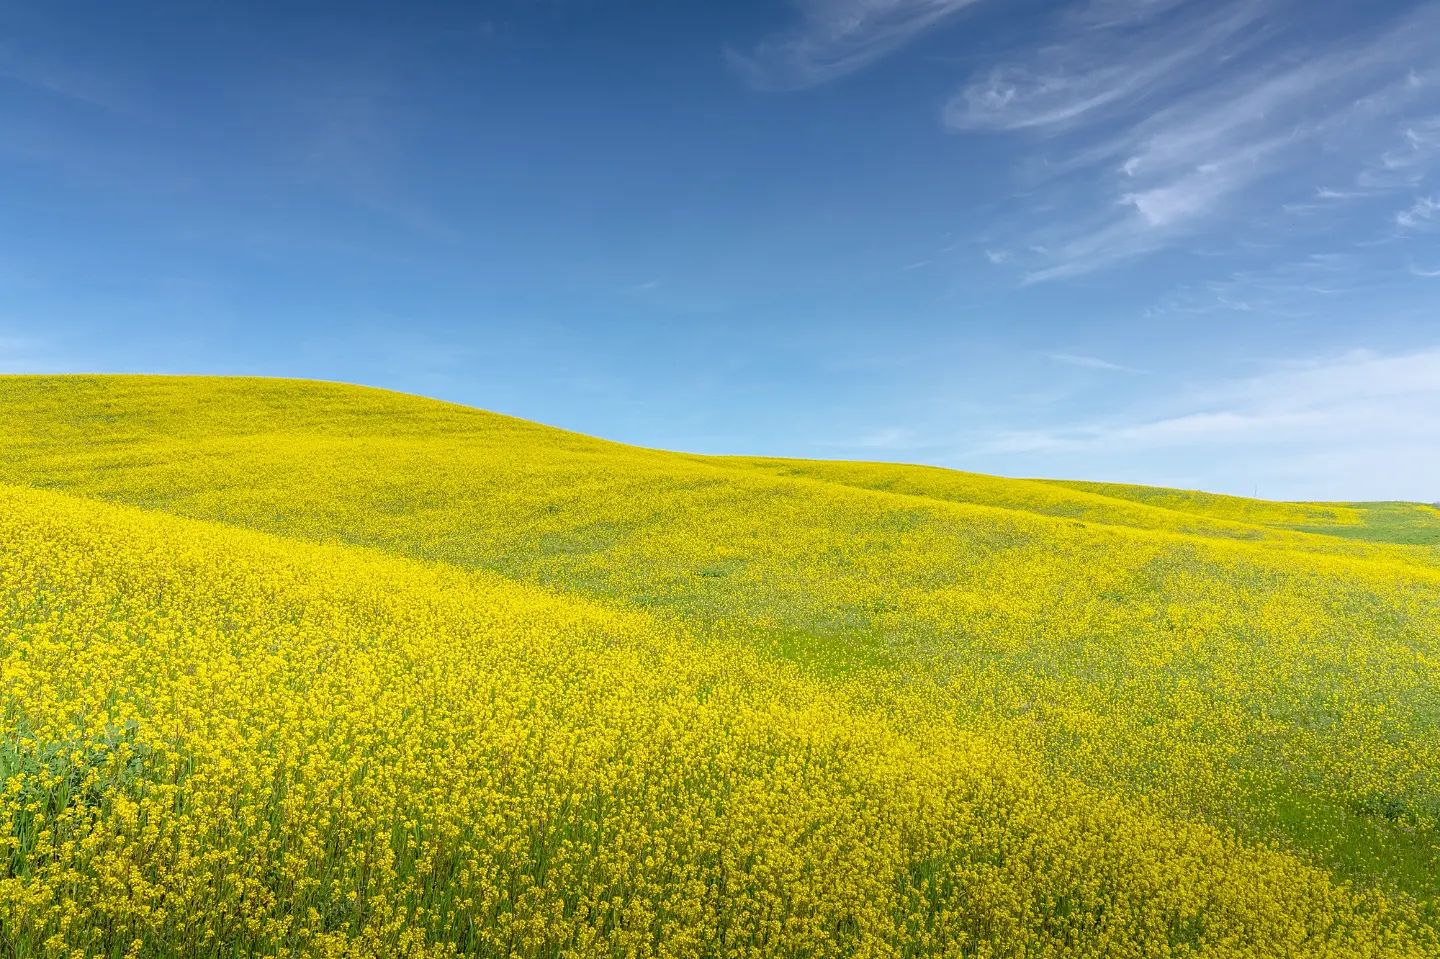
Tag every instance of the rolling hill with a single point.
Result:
(302, 668)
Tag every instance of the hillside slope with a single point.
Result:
(1201, 662)
(1405, 523)
(346, 753)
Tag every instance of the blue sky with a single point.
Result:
(1185, 242)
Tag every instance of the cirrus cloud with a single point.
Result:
(838, 37)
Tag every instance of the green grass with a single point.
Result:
(1410, 524)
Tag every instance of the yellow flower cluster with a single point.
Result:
(368, 675)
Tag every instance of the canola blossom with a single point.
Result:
(307, 670)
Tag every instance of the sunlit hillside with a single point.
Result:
(309, 669)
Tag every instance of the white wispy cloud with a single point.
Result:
(1153, 122)
(1099, 68)
(1405, 164)
(1106, 14)
(1089, 362)
(1422, 213)
(1428, 274)
(1158, 128)
(1370, 416)
(1144, 220)
(1285, 289)
(838, 37)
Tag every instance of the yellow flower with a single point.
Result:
(306, 670)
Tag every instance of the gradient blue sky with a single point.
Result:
(1185, 242)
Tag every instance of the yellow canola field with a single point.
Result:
(526, 692)
(225, 743)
